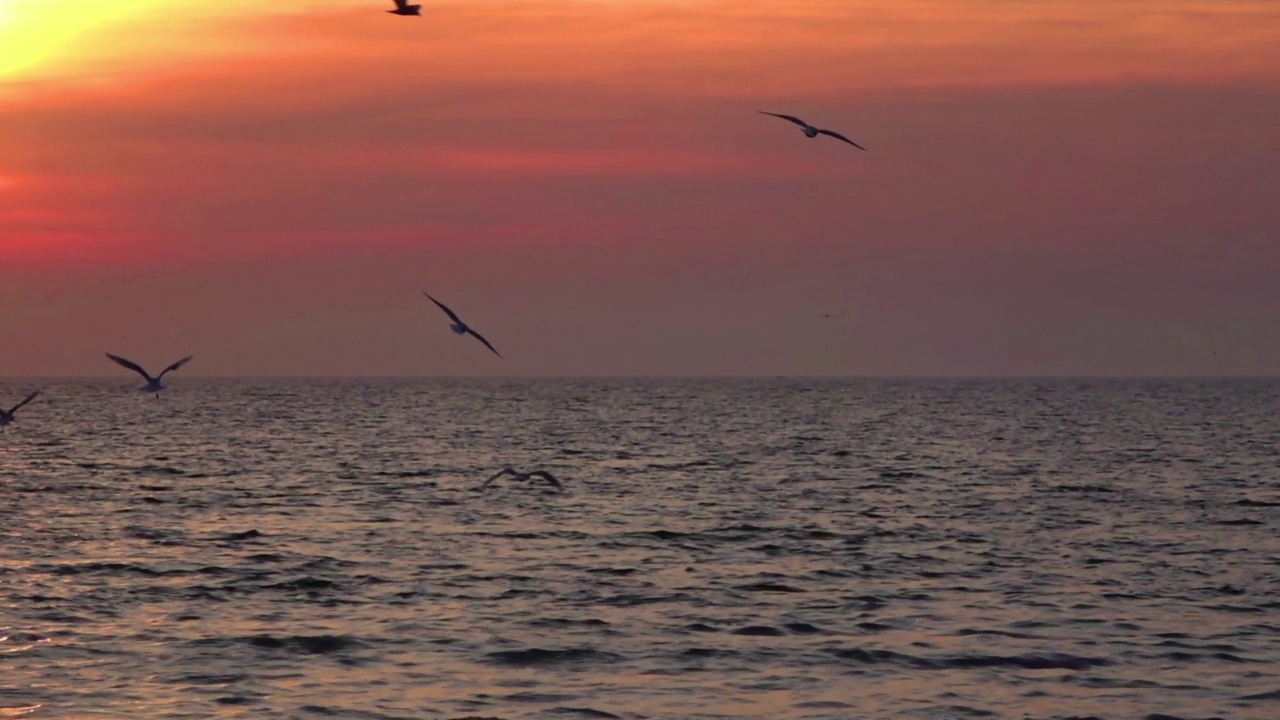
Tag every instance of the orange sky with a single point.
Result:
(1052, 186)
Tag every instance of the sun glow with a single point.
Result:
(48, 38)
(36, 33)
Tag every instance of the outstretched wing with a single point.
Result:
(18, 407)
(504, 471)
(546, 476)
(480, 337)
(838, 136)
(792, 118)
(445, 308)
(132, 366)
(400, 4)
(177, 365)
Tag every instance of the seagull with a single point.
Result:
(6, 416)
(811, 131)
(404, 8)
(525, 477)
(153, 383)
(460, 327)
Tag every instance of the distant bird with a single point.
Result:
(811, 131)
(6, 416)
(404, 8)
(525, 477)
(460, 327)
(153, 383)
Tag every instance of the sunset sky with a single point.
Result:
(1081, 187)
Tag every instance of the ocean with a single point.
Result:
(776, 549)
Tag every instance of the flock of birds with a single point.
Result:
(155, 384)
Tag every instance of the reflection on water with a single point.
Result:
(779, 549)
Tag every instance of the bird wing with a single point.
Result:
(504, 471)
(445, 308)
(132, 366)
(546, 476)
(177, 365)
(792, 118)
(18, 407)
(486, 342)
(400, 4)
(838, 136)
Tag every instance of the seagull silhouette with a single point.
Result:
(6, 416)
(458, 326)
(811, 131)
(153, 383)
(404, 8)
(525, 477)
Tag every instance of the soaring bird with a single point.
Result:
(404, 8)
(811, 131)
(6, 416)
(153, 383)
(460, 327)
(525, 477)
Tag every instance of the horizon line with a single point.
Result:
(727, 376)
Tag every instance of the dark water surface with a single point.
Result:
(756, 549)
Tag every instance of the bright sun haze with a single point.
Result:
(1050, 187)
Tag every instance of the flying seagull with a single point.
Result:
(6, 416)
(525, 477)
(404, 8)
(153, 383)
(811, 131)
(460, 327)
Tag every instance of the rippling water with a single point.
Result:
(757, 549)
